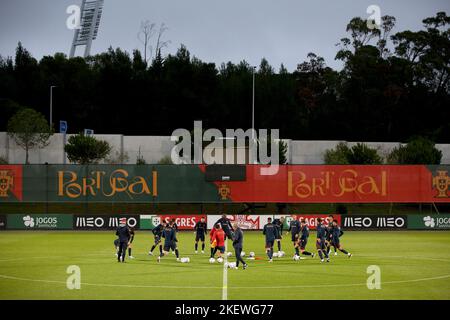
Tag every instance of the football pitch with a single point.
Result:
(33, 265)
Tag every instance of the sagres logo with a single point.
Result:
(28, 221)
(429, 221)
(441, 182)
(10, 182)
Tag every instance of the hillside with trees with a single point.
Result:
(391, 87)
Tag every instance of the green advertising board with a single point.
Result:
(40, 221)
(105, 183)
(149, 222)
(429, 222)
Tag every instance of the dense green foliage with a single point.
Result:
(362, 154)
(391, 87)
(29, 129)
(358, 154)
(417, 151)
(83, 149)
(338, 155)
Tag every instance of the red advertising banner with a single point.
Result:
(246, 184)
(340, 184)
(184, 222)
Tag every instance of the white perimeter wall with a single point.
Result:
(154, 148)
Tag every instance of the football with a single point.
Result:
(219, 260)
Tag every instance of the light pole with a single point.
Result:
(253, 103)
(253, 111)
(51, 106)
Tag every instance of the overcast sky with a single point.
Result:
(283, 31)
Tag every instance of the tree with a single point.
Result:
(165, 160)
(117, 157)
(378, 95)
(84, 149)
(417, 151)
(146, 31)
(358, 154)
(339, 155)
(280, 146)
(30, 130)
(362, 154)
(428, 52)
(387, 24)
(160, 43)
(140, 159)
(282, 152)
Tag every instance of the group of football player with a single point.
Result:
(328, 235)
(165, 236)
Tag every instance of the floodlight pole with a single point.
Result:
(253, 103)
(87, 50)
(253, 109)
(77, 31)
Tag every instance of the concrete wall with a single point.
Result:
(154, 148)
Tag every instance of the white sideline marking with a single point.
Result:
(200, 287)
(225, 275)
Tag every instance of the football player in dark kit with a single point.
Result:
(174, 226)
(238, 240)
(279, 224)
(270, 231)
(303, 241)
(130, 243)
(170, 242)
(124, 237)
(226, 226)
(336, 233)
(320, 242)
(157, 233)
(116, 245)
(200, 232)
(330, 220)
(294, 229)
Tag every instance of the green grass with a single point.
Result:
(414, 265)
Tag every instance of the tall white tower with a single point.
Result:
(91, 12)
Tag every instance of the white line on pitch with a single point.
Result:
(225, 275)
(204, 287)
